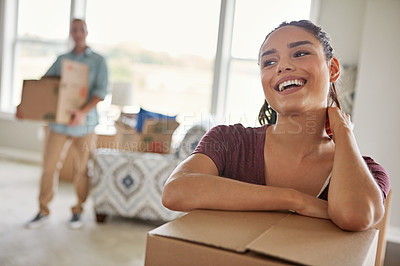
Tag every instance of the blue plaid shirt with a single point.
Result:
(98, 84)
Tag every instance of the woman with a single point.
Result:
(305, 159)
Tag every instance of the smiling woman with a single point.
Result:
(303, 51)
(314, 169)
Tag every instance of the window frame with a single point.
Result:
(10, 40)
(223, 58)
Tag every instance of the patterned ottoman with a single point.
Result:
(130, 184)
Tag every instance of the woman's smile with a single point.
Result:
(290, 84)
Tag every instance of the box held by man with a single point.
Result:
(51, 99)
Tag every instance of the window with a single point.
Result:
(253, 21)
(167, 50)
(40, 35)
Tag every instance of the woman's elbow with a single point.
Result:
(173, 196)
(169, 197)
(356, 220)
(352, 223)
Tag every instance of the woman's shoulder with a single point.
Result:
(373, 165)
(379, 173)
(234, 137)
(238, 129)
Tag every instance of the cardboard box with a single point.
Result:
(106, 141)
(155, 137)
(205, 237)
(52, 99)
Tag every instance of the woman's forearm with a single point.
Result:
(355, 201)
(200, 191)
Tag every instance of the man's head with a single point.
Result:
(78, 32)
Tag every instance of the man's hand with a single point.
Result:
(77, 117)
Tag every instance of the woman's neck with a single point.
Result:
(300, 133)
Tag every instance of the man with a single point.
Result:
(78, 134)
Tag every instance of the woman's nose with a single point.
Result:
(285, 66)
(280, 70)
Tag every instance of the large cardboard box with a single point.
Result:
(52, 99)
(156, 136)
(205, 237)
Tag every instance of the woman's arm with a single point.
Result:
(195, 184)
(354, 199)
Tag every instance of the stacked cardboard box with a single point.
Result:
(156, 135)
(51, 98)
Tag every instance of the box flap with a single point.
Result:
(223, 229)
(315, 242)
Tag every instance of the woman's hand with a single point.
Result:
(312, 206)
(337, 120)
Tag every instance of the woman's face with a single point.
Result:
(295, 73)
(78, 32)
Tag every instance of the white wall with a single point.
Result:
(377, 105)
(21, 135)
(343, 21)
(366, 33)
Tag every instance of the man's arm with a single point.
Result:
(77, 116)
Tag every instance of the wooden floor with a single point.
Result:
(392, 257)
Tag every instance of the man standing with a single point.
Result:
(78, 134)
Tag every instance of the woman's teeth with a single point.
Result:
(286, 84)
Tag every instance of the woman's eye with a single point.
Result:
(300, 54)
(268, 63)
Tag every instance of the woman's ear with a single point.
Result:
(334, 70)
